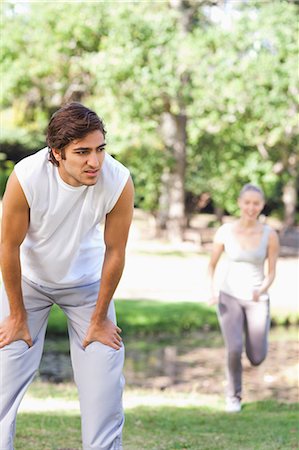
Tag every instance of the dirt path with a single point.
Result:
(200, 370)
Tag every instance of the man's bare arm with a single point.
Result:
(116, 232)
(15, 222)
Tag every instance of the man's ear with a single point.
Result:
(57, 154)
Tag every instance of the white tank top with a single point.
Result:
(245, 268)
(64, 245)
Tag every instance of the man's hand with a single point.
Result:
(13, 329)
(103, 331)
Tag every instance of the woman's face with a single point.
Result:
(251, 204)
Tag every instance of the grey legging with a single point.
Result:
(236, 317)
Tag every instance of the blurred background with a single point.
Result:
(198, 98)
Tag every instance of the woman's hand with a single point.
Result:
(213, 300)
(256, 295)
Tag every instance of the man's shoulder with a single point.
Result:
(38, 157)
(30, 171)
(31, 168)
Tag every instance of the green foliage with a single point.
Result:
(240, 90)
(6, 168)
(248, 127)
(146, 166)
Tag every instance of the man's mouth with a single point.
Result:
(91, 173)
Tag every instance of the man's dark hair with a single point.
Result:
(71, 122)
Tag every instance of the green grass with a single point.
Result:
(48, 431)
(145, 317)
(264, 425)
(43, 390)
(149, 317)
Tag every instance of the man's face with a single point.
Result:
(83, 160)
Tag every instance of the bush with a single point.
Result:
(6, 167)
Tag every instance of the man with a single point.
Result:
(52, 251)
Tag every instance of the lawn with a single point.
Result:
(149, 317)
(158, 423)
(157, 420)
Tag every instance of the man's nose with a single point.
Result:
(92, 160)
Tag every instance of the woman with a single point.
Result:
(243, 301)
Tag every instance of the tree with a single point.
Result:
(192, 105)
(249, 129)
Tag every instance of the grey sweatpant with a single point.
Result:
(97, 369)
(238, 317)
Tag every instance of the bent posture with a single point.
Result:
(54, 252)
(243, 301)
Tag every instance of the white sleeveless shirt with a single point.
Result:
(64, 245)
(245, 268)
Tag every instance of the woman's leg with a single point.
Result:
(231, 319)
(97, 372)
(18, 362)
(257, 324)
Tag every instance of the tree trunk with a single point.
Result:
(163, 211)
(289, 193)
(173, 130)
(172, 199)
(219, 213)
(289, 198)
